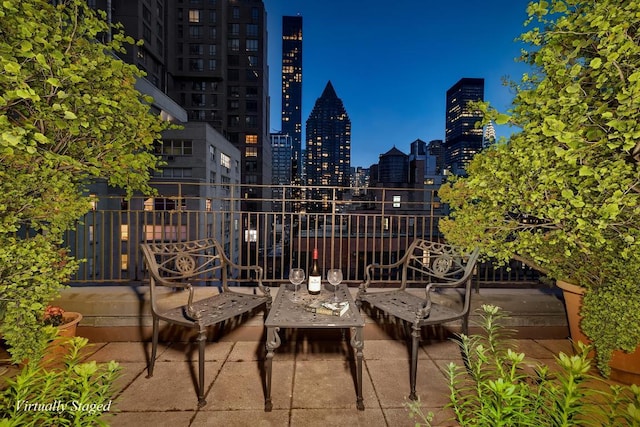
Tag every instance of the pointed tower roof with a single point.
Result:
(329, 91)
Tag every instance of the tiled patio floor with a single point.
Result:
(313, 383)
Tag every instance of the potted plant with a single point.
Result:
(562, 194)
(69, 115)
(498, 386)
(65, 321)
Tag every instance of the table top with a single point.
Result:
(285, 313)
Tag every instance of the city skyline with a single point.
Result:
(393, 65)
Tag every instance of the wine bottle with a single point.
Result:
(315, 278)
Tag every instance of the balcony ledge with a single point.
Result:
(121, 313)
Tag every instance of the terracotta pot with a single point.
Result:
(58, 347)
(71, 320)
(625, 367)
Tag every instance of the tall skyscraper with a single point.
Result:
(292, 89)
(328, 136)
(462, 139)
(210, 57)
(489, 135)
(281, 172)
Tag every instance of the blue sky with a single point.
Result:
(391, 63)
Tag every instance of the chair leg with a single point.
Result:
(202, 339)
(154, 347)
(415, 341)
(465, 324)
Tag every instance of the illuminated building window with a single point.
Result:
(225, 161)
(93, 201)
(194, 15)
(166, 233)
(124, 232)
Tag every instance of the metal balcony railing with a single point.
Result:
(276, 227)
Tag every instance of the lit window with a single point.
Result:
(251, 138)
(93, 201)
(396, 201)
(165, 233)
(252, 152)
(124, 262)
(194, 16)
(124, 232)
(225, 161)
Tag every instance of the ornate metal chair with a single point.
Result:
(185, 265)
(427, 264)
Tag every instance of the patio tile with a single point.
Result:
(244, 351)
(310, 349)
(172, 388)
(255, 350)
(90, 349)
(329, 384)
(126, 352)
(129, 371)
(446, 349)
(254, 418)
(557, 346)
(391, 382)
(386, 350)
(155, 419)
(533, 349)
(185, 351)
(337, 417)
(400, 417)
(240, 386)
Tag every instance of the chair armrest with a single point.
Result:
(368, 269)
(425, 308)
(191, 313)
(367, 276)
(259, 275)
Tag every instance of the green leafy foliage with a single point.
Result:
(499, 386)
(78, 394)
(69, 114)
(563, 193)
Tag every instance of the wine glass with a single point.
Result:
(296, 277)
(334, 276)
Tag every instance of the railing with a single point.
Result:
(275, 227)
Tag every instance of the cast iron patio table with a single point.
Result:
(285, 313)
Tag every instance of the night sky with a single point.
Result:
(391, 63)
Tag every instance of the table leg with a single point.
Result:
(358, 344)
(273, 342)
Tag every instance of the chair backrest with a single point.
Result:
(195, 262)
(435, 262)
